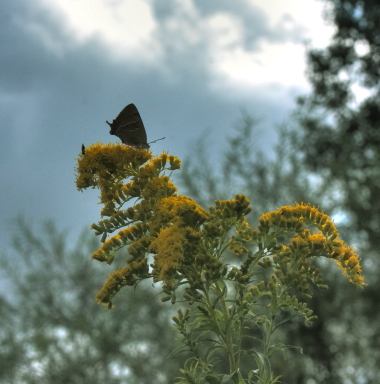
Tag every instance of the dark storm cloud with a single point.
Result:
(56, 93)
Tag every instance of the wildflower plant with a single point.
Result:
(186, 250)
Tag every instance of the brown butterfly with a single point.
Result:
(129, 127)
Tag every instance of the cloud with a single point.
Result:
(59, 86)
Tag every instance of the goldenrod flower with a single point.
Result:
(304, 244)
(174, 241)
(187, 242)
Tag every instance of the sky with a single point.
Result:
(66, 66)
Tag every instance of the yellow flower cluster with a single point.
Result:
(107, 167)
(102, 165)
(168, 226)
(127, 276)
(306, 244)
(187, 242)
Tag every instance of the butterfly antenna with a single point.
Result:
(162, 138)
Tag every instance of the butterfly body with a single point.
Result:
(129, 128)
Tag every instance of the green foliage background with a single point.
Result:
(52, 331)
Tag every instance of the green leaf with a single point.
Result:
(265, 372)
(180, 349)
(234, 377)
(285, 320)
(274, 305)
(226, 379)
(281, 347)
(211, 379)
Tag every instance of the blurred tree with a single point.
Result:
(52, 331)
(340, 139)
(244, 168)
(340, 119)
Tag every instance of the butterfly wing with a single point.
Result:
(128, 126)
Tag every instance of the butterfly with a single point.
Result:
(129, 128)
